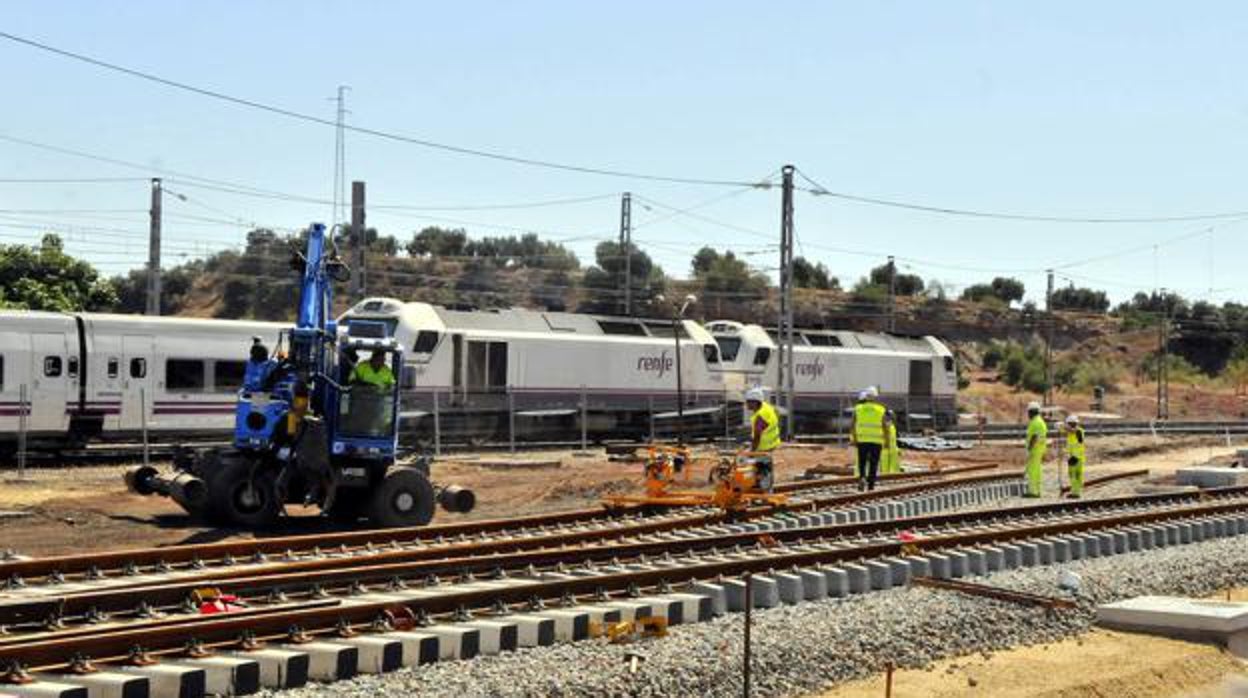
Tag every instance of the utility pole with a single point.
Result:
(785, 329)
(626, 247)
(153, 251)
(359, 240)
(1048, 341)
(1163, 351)
(892, 294)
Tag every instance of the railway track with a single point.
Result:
(523, 586)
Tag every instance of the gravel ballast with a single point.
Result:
(814, 645)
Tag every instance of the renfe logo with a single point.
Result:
(811, 370)
(660, 364)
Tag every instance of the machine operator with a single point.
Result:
(373, 372)
(764, 434)
(259, 367)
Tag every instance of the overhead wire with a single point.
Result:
(387, 135)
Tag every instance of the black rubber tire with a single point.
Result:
(404, 498)
(238, 500)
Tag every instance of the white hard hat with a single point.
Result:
(863, 395)
(755, 394)
(1072, 420)
(872, 391)
(1033, 406)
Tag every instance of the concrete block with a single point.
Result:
(814, 584)
(225, 675)
(495, 636)
(938, 564)
(957, 563)
(859, 578)
(919, 566)
(569, 625)
(632, 609)
(454, 641)
(378, 654)
(1029, 553)
(714, 592)
(418, 648)
(46, 689)
(104, 684)
(976, 564)
(1061, 549)
(790, 587)
(1011, 555)
(765, 593)
(279, 668)
(838, 581)
(899, 571)
(1185, 532)
(994, 558)
(1199, 532)
(1045, 552)
(531, 631)
(694, 608)
(172, 680)
(1176, 617)
(881, 574)
(1122, 542)
(330, 661)
(1209, 476)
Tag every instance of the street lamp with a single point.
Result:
(678, 314)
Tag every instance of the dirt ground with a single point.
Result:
(65, 510)
(1099, 664)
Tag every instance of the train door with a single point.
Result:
(52, 388)
(487, 367)
(457, 369)
(137, 366)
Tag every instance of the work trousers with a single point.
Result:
(869, 463)
(1035, 472)
(1074, 468)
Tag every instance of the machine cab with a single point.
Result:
(369, 365)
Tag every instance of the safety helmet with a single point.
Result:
(862, 395)
(755, 394)
(872, 391)
(1073, 420)
(1033, 406)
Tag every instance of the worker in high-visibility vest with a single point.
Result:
(764, 435)
(867, 434)
(1037, 443)
(1076, 455)
(374, 372)
(890, 461)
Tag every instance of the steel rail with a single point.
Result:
(201, 553)
(1107, 478)
(115, 644)
(388, 566)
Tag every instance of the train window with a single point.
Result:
(632, 329)
(710, 352)
(1, 372)
(761, 355)
(407, 377)
(822, 340)
(114, 367)
(227, 376)
(184, 374)
(73, 367)
(426, 341)
(949, 364)
(138, 368)
(498, 365)
(728, 347)
(51, 366)
(664, 329)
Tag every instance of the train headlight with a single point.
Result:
(339, 448)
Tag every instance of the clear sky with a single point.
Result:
(1072, 109)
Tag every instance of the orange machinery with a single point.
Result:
(735, 479)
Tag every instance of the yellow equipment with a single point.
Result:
(738, 482)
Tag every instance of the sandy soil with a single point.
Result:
(87, 508)
(1099, 664)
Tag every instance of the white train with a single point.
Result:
(484, 373)
(91, 376)
(482, 367)
(916, 377)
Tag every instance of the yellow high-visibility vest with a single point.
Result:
(869, 423)
(364, 373)
(1075, 445)
(769, 440)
